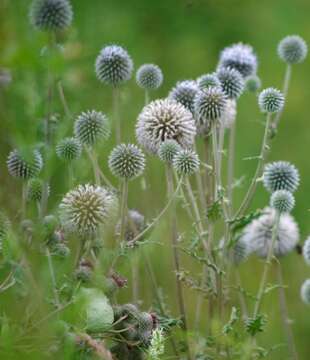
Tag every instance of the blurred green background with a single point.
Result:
(184, 38)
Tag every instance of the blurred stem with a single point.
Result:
(135, 278)
(286, 83)
(24, 199)
(123, 214)
(261, 161)
(53, 278)
(63, 99)
(70, 175)
(200, 188)
(284, 314)
(146, 97)
(96, 168)
(116, 97)
(231, 165)
(243, 304)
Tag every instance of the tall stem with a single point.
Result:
(116, 114)
(123, 214)
(24, 200)
(231, 165)
(53, 278)
(286, 83)
(146, 97)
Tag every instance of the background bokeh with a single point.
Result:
(184, 38)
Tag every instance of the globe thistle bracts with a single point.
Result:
(280, 175)
(271, 100)
(162, 120)
(126, 161)
(149, 77)
(35, 189)
(283, 201)
(232, 82)
(69, 149)
(87, 207)
(167, 150)
(184, 92)
(186, 162)
(208, 80)
(113, 65)
(292, 49)
(24, 164)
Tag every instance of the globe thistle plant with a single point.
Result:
(167, 151)
(258, 234)
(163, 120)
(208, 80)
(113, 65)
(292, 49)
(126, 161)
(69, 149)
(282, 201)
(90, 127)
(232, 82)
(305, 292)
(51, 15)
(306, 250)
(24, 164)
(149, 77)
(271, 100)
(280, 175)
(240, 57)
(87, 207)
(186, 162)
(253, 83)
(35, 190)
(184, 92)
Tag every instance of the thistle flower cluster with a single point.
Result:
(184, 92)
(167, 151)
(208, 80)
(232, 82)
(149, 77)
(186, 162)
(280, 175)
(292, 49)
(69, 149)
(24, 164)
(283, 201)
(35, 189)
(271, 100)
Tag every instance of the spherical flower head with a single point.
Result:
(167, 151)
(163, 120)
(210, 105)
(305, 292)
(35, 189)
(113, 65)
(208, 80)
(281, 175)
(126, 161)
(69, 149)
(186, 162)
(306, 250)
(149, 77)
(230, 113)
(292, 49)
(258, 234)
(51, 15)
(24, 164)
(232, 82)
(91, 127)
(87, 207)
(282, 201)
(253, 83)
(240, 57)
(271, 100)
(184, 93)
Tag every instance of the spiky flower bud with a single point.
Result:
(283, 201)
(149, 77)
(281, 175)
(208, 80)
(35, 189)
(210, 105)
(61, 250)
(258, 234)
(113, 65)
(167, 150)
(305, 250)
(253, 83)
(271, 100)
(162, 120)
(69, 149)
(292, 49)
(50, 223)
(305, 292)
(240, 57)
(87, 207)
(51, 15)
(92, 126)
(232, 82)
(184, 93)
(186, 162)
(24, 164)
(126, 161)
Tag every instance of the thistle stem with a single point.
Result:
(24, 200)
(63, 100)
(123, 214)
(146, 97)
(231, 165)
(117, 114)
(286, 83)
(53, 278)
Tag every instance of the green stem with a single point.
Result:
(53, 278)
(146, 97)
(231, 165)
(286, 83)
(24, 200)
(116, 114)
(123, 214)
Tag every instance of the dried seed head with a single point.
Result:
(186, 162)
(24, 164)
(271, 100)
(69, 149)
(167, 150)
(149, 77)
(232, 82)
(283, 201)
(281, 175)
(184, 93)
(292, 49)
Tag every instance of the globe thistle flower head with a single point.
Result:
(184, 93)
(208, 80)
(163, 120)
(292, 49)
(210, 105)
(282, 201)
(87, 207)
(258, 234)
(113, 65)
(69, 149)
(271, 100)
(167, 150)
(281, 175)
(92, 126)
(240, 57)
(305, 250)
(253, 83)
(149, 77)
(230, 113)
(24, 164)
(51, 15)
(305, 292)
(232, 82)
(35, 189)
(186, 162)
(126, 161)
